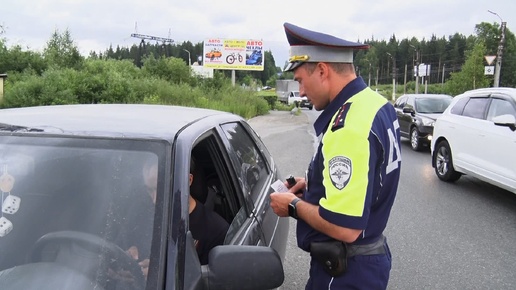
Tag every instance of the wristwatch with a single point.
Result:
(292, 209)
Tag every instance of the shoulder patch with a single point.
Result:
(340, 117)
(340, 169)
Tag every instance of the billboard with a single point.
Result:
(233, 54)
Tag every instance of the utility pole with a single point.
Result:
(376, 81)
(405, 81)
(416, 68)
(444, 69)
(189, 59)
(499, 54)
(417, 71)
(393, 77)
(369, 79)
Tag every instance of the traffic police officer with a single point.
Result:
(343, 204)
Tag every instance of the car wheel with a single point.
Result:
(311, 107)
(444, 163)
(414, 140)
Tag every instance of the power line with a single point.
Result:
(150, 37)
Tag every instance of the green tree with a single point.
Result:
(107, 81)
(61, 51)
(15, 59)
(172, 69)
(490, 34)
(471, 75)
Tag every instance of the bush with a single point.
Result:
(54, 87)
(271, 101)
(114, 81)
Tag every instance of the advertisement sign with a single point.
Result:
(233, 54)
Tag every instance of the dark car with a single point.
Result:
(305, 102)
(417, 114)
(71, 182)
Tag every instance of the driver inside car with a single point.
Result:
(207, 227)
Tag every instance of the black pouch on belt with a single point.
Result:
(332, 255)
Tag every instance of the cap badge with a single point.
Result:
(295, 58)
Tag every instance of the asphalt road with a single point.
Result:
(442, 235)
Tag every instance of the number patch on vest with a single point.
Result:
(394, 149)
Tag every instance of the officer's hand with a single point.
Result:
(299, 187)
(280, 201)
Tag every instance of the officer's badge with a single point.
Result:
(340, 171)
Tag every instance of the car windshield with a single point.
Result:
(78, 203)
(432, 105)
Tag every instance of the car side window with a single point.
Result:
(212, 183)
(400, 103)
(249, 162)
(476, 108)
(458, 108)
(500, 107)
(410, 102)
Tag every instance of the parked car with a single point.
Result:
(306, 103)
(71, 176)
(476, 136)
(416, 116)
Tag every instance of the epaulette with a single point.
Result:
(341, 117)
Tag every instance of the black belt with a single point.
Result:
(376, 248)
(333, 255)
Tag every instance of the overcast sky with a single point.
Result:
(95, 24)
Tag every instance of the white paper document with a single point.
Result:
(279, 186)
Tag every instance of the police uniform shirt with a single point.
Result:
(354, 173)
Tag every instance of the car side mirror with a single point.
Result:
(408, 110)
(242, 267)
(505, 121)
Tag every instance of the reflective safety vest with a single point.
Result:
(355, 171)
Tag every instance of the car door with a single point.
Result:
(252, 174)
(500, 142)
(255, 170)
(403, 119)
(234, 173)
(469, 140)
(275, 229)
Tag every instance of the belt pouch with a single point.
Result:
(331, 255)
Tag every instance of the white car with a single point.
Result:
(476, 136)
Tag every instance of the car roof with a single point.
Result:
(510, 91)
(127, 120)
(427, 95)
